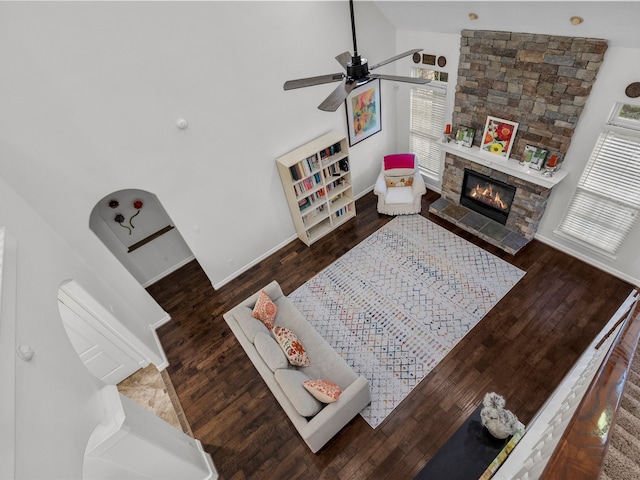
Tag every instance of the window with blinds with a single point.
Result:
(426, 125)
(606, 204)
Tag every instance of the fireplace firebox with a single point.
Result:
(487, 196)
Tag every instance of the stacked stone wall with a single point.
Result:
(542, 82)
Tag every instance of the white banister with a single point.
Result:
(530, 456)
(134, 443)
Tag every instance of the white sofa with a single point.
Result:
(285, 381)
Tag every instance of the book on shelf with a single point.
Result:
(313, 214)
(330, 151)
(344, 210)
(296, 173)
(304, 203)
(305, 168)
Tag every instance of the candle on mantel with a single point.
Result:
(552, 161)
(447, 129)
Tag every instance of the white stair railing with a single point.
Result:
(529, 458)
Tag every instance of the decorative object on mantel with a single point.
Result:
(464, 136)
(533, 157)
(498, 136)
(447, 133)
(500, 423)
(551, 166)
(633, 90)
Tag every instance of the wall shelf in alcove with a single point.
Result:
(150, 238)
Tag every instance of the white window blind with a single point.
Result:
(606, 203)
(426, 127)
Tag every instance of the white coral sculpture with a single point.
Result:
(501, 423)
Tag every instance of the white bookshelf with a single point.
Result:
(316, 178)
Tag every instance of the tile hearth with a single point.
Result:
(489, 230)
(154, 391)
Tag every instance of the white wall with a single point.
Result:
(618, 70)
(90, 95)
(57, 404)
(97, 88)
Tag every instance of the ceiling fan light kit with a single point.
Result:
(357, 73)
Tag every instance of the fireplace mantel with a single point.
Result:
(509, 166)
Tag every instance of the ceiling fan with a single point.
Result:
(357, 69)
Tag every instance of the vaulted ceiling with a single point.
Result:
(616, 21)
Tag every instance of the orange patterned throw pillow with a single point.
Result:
(406, 181)
(323, 390)
(265, 310)
(291, 346)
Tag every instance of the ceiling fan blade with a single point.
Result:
(396, 78)
(310, 81)
(335, 99)
(343, 59)
(397, 57)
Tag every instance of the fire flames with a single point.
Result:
(486, 195)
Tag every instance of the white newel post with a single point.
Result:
(134, 443)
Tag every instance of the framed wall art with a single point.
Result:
(363, 112)
(464, 136)
(533, 157)
(498, 136)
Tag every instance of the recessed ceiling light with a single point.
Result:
(473, 16)
(576, 20)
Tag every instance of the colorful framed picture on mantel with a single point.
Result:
(498, 136)
(363, 112)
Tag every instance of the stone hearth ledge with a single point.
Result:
(488, 230)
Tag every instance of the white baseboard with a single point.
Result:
(226, 280)
(274, 249)
(168, 271)
(164, 363)
(364, 192)
(588, 260)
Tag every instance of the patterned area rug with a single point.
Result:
(399, 301)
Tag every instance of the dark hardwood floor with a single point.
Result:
(521, 349)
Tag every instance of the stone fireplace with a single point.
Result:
(542, 82)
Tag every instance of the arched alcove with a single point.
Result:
(135, 227)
